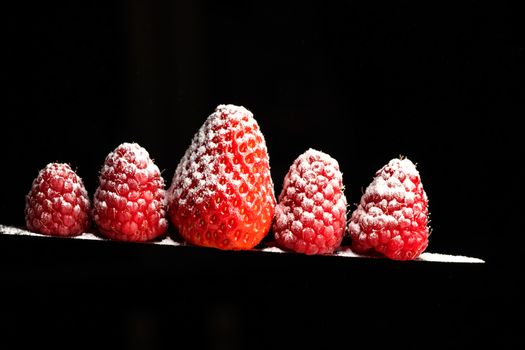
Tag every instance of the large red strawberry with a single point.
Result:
(392, 217)
(222, 193)
(130, 201)
(311, 215)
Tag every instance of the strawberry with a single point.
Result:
(392, 217)
(222, 193)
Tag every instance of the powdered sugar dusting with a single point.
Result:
(133, 160)
(202, 161)
(347, 252)
(16, 231)
(436, 257)
(273, 250)
(89, 236)
(168, 241)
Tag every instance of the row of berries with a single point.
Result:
(222, 196)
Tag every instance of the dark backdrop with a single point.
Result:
(362, 81)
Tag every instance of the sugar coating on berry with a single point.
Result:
(392, 215)
(57, 203)
(130, 201)
(222, 192)
(196, 173)
(310, 217)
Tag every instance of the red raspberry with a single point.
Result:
(222, 193)
(311, 215)
(58, 203)
(392, 217)
(130, 201)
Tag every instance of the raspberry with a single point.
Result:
(392, 216)
(311, 215)
(222, 193)
(130, 201)
(57, 203)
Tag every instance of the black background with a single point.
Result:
(362, 81)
